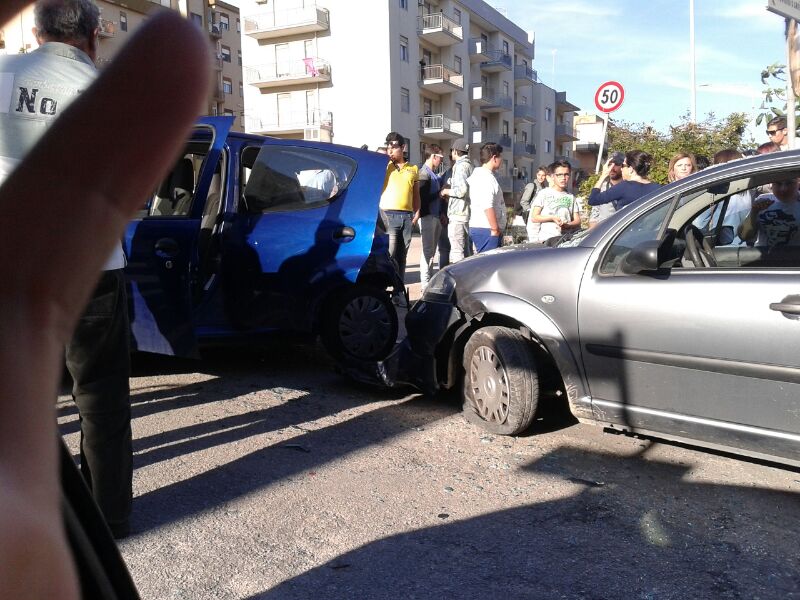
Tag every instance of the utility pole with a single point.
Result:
(693, 78)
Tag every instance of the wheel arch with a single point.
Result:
(548, 344)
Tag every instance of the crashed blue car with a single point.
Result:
(248, 235)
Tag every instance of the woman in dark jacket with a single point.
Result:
(635, 184)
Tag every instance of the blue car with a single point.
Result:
(249, 235)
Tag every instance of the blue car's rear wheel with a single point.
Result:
(501, 386)
(360, 324)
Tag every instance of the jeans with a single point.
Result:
(430, 226)
(398, 227)
(460, 243)
(98, 358)
(483, 239)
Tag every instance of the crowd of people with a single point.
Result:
(460, 210)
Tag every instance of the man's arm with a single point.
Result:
(46, 287)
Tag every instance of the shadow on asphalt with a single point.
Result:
(664, 537)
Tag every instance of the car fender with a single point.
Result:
(486, 306)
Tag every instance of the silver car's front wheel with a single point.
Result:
(501, 388)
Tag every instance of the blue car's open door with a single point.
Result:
(161, 247)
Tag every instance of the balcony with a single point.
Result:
(216, 63)
(496, 62)
(524, 75)
(440, 79)
(565, 133)
(298, 72)
(484, 137)
(107, 29)
(488, 99)
(524, 150)
(524, 113)
(313, 124)
(505, 183)
(478, 50)
(439, 30)
(284, 23)
(440, 127)
(563, 105)
(518, 185)
(218, 94)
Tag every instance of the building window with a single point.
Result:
(457, 64)
(548, 114)
(224, 22)
(427, 106)
(241, 89)
(123, 21)
(403, 48)
(228, 112)
(485, 39)
(214, 110)
(505, 127)
(524, 101)
(548, 146)
(196, 19)
(404, 4)
(239, 57)
(405, 100)
(459, 112)
(505, 89)
(505, 47)
(457, 16)
(238, 25)
(422, 146)
(227, 85)
(226, 54)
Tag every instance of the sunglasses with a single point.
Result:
(773, 131)
(393, 145)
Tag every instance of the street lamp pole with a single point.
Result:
(691, 62)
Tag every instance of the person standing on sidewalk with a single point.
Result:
(487, 221)
(430, 223)
(458, 202)
(399, 200)
(41, 85)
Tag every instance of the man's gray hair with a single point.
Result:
(62, 20)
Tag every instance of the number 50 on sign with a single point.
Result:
(609, 96)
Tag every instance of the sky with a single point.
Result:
(644, 45)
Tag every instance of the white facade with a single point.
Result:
(435, 71)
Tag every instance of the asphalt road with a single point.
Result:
(262, 473)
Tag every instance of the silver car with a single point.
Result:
(659, 321)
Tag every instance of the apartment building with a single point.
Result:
(119, 19)
(434, 70)
(589, 128)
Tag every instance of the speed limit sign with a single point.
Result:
(609, 96)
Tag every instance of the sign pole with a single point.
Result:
(602, 144)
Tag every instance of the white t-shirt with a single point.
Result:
(779, 223)
(485, 192)
(553, 203)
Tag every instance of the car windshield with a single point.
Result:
(573, 238)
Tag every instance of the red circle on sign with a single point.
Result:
(609, 96)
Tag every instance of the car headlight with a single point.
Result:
(440, 288)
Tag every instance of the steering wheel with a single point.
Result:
(700, 251)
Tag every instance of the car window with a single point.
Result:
(285, 178)
(175, 195)
(646, 227)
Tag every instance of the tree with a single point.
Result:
(774, 104)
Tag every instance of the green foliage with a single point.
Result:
(706, 138)
(774, 104)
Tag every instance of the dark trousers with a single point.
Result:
(98, 358)
(398, 227)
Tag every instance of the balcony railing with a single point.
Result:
(505, 182)
(489, 100)
(496, 61)
(524, 149)
(107, 28)
(440, 127)
(565, 133)
(289, 121)
(296, 72)
(524, 75)
(282, 23)
(483, 137)
(440, 79)
(439, 29)
(518, 185)
(524, 112)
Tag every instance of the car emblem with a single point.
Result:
(548, 299)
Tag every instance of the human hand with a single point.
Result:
(759, 204)
(90, 194)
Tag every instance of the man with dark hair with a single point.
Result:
(488, 217)
(602, 212)
(555, 208)
(399, 201)
(40, 86)
(456, 191)
(430, 224)
(778, 132)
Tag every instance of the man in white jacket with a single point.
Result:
(487, 221)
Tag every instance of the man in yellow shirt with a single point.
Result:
(399, 200)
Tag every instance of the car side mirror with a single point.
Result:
(649, 255)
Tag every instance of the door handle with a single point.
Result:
(789, 305)
(344, 234)
(166, 248)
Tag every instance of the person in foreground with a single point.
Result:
(91, 188)
(487, 220)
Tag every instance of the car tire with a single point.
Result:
(501, 384)
(360, 324)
